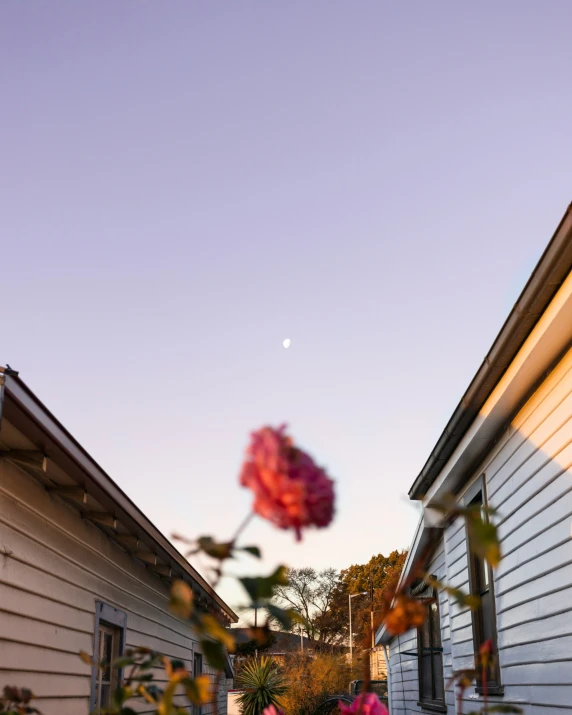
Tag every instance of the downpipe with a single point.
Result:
(388, 664)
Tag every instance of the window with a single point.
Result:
(106, 684)
(430, 651)
(481, 585)
(109, 642)
(197, 670)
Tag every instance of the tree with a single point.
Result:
(310, 593)
(384, 572)
(322, 598)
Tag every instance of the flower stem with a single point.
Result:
(242, 527)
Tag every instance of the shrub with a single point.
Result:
(311, 679)
(263, 685)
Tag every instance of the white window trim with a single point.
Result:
(106, 614)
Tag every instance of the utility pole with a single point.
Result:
(351, 635)
(371, 611)
(256, 626)
(350, 596)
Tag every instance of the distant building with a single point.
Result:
(284, 643)
(377, 664)
(508, 445)
(81, 567)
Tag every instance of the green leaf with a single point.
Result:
(462, 598)
(215, 550)
(197, 689)
(181, 603)
(463, 678)
(122, 694)
(261, 588)
(214, 653)
(285, 617)
(484, 540)
(154, 691)
(253, 550)
(260, 634)
(123, 662)
(252, 646)
(86, 658)
(168, 695)
(210, 626)
(153, 660)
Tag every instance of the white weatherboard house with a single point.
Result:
(81, 568)
(508, 445)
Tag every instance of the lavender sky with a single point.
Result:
(184, 184)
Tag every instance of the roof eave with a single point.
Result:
(23, 408)
(543, 284)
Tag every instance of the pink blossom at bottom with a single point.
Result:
(364, 704)
(272, 710)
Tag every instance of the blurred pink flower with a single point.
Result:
(272, 710)
(364, 704)
(290, 490)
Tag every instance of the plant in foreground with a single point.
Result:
(263, 686)
(16, 701)
(292, 492)
(364, 704)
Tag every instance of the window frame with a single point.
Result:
(494, 685)
(112, 618)
(197, 661)
(432, 704)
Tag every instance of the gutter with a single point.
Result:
(549, 274)
(386, 653)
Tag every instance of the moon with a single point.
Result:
(286, 343)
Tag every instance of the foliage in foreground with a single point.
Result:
(263, 685)
(16, 701)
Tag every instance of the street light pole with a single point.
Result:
(371, 590)
(350, 596)
(351, 645)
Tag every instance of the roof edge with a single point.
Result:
(430, 523)
(550, 272)
(92, 470)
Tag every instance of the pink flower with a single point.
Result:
(289, 489)
(364, 704)
(272, 710)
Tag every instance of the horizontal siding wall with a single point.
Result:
(54, 566)
(529, 482)
(404, 667)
